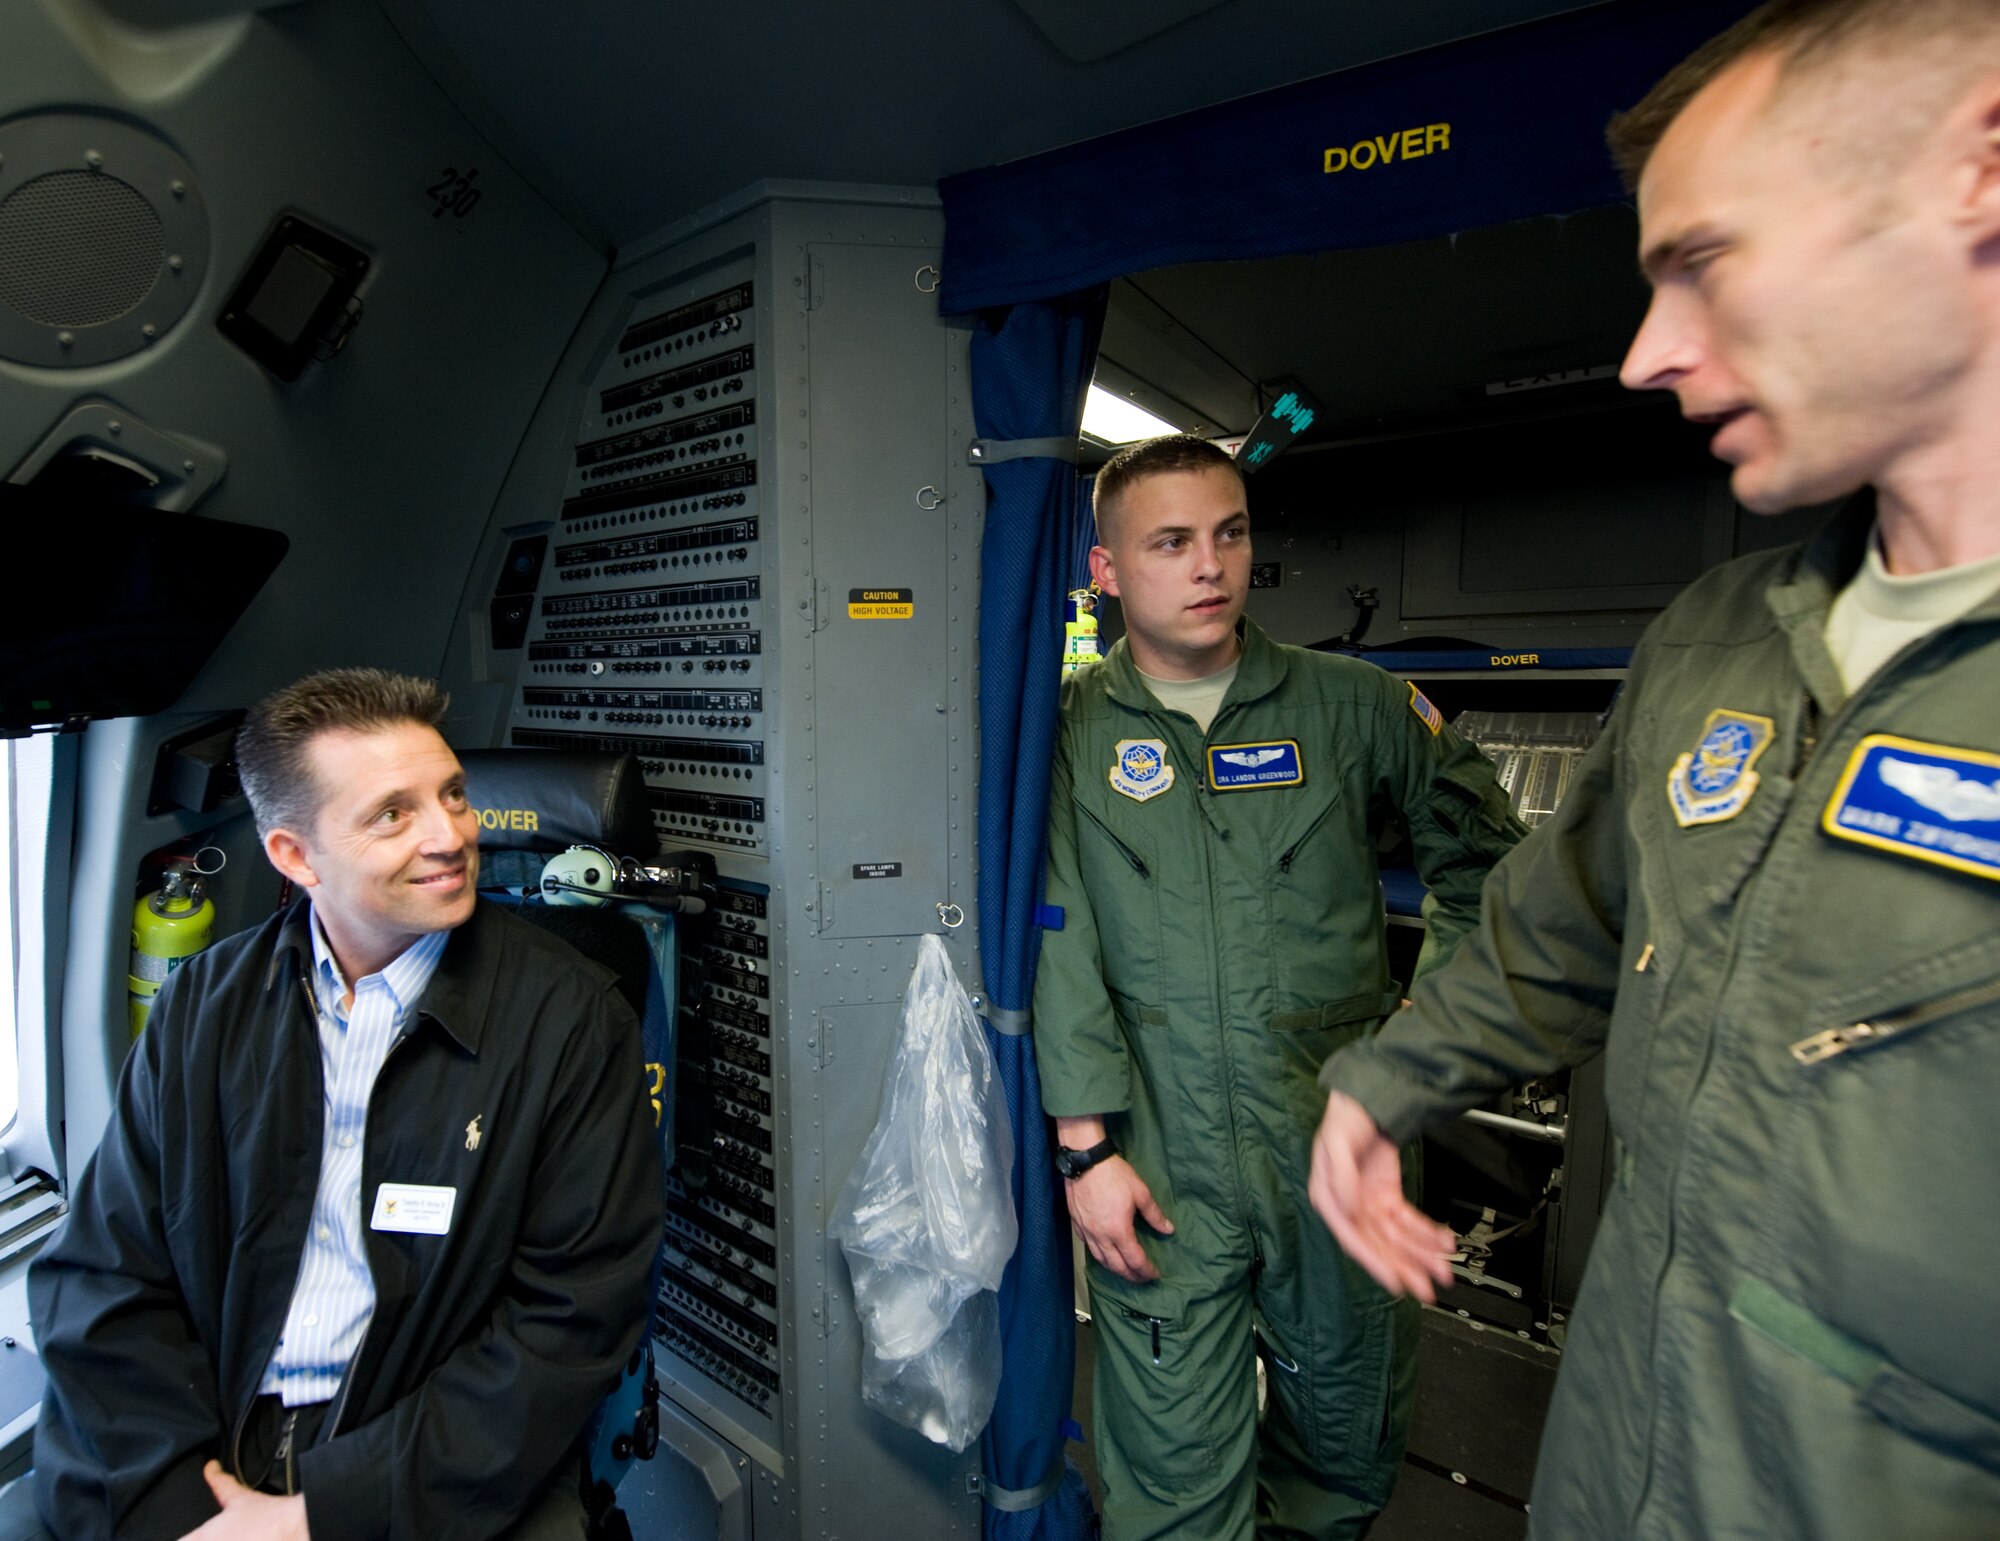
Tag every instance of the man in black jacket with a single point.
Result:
(369, 1234)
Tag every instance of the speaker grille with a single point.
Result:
(77, 248)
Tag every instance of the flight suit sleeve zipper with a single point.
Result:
(1855, 1035)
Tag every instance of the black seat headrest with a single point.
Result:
(550, 799)
(607, 937)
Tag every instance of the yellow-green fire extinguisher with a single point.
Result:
(1080, 643)
(168, 927)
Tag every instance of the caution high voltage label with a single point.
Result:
(881, 604)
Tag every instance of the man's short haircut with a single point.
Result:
(271, 744)
(1153, 457)
(1805, 34)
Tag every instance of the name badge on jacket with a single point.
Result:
(1928, 802)
(1249, 767)
(414, 1208)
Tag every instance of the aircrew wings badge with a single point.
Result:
(1929, 802)
(1717, 779)
(1139, 768)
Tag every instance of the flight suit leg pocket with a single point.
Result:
(1348, 1401)
(1175, 1387)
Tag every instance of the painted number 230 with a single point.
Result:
(454, 194)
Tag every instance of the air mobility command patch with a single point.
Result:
(1427, 714)
(1252, 767)
(1928, 802)
(1716, 781)
(1140, 770)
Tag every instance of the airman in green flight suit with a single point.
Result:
(1772, 896)
(1214, 815)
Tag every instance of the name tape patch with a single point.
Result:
(1717, 778)
(1253, 767)
(1139, 768)
(1928, 802)
(413, 1207)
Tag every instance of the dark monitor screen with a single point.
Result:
(112, 608)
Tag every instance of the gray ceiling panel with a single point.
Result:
(634, 112)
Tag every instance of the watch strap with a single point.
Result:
(1074, 1163)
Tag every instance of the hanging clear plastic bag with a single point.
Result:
(927, 1220)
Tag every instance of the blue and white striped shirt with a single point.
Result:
(335, 1292)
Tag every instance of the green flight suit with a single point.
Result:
(1216, 946)
(1788, 1328)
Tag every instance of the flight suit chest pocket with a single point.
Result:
(1304, 841)
(1884, 1164)
(1119, 870)
(1323, 918)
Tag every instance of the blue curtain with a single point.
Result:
(1030, 367)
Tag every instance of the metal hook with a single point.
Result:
(950, 916)
(936, 498)
(936, 279)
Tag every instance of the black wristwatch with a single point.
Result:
(1074, 1163)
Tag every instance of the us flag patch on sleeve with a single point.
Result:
(1427, 714)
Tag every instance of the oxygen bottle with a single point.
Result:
(168, 927)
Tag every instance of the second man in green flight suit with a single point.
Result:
(1215, 808)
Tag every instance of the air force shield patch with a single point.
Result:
(1140, 770)
(1717, 779)
(1927, 802)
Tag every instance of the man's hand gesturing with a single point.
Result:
(1357, 1187)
